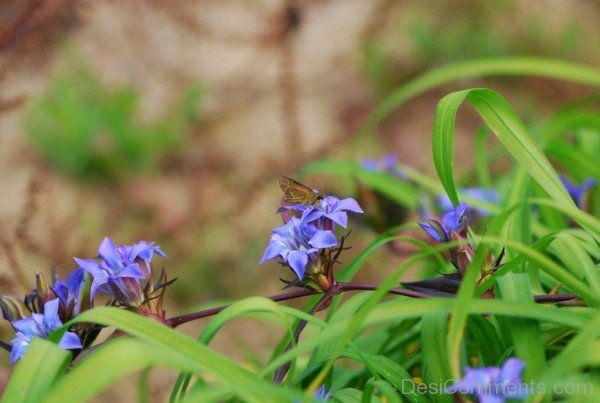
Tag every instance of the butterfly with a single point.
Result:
(296, 193)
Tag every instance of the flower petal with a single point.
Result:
(370, 164)
(145, 250)
(27, 326)
(91, 266)
(142, 249)
(131, 271)
(109, 252)
(587, 184)
(273, 250)
(338, 217)
(349, 204)
(297, 261)
(70, 341)
(17, 351)
(389, 162)
(490, 399)
(323, 239)
(511, 371)
(98, 282)
(453, 220)
(434, 230)
(51, 319)
(475, 380)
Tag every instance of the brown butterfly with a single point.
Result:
(296, 193)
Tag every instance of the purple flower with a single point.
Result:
(578, 192)
(322, 394)
(388, 164)
(122, 271)
(40, 325)
(493, 384)
(330, 210)
(453, 220)
(70, 293)
(298, 242)
(333, 209)
(488, 195)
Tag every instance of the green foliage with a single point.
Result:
(375, 347)
(92, 131)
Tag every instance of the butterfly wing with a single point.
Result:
(296, 193)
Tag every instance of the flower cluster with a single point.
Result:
(387, 164)
(126, 273)
(123, 272)
(322, 394)
(307, 242)
(493, 384)
(453, 222)
(49, 306)
(454, 227)
(40, 325)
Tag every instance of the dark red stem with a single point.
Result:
(338, 288)
(555, 297)
(321, 304)
(180, 320)
(343, 287)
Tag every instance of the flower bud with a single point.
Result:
(44, 292)
(461, 255)
(12, 308)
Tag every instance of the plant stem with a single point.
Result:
(322, 303)
(180, 320)
(343, 287)
(338, 288)
(5, 346)
(554, 297)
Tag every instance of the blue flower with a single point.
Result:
(388, 164)
(70, 293)
(40, 325)
(487, 195)
(333, 209)
(322, 394)
(298, 242)
(453, 221)
(329, 211)
(493, 384)
(123, 271)
(578, 192)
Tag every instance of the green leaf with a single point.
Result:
(486, 334)
(506, 125)
(525, 334)
(511, 66)
(393, 373)
(243, 382)
(36, 372)
(241, 308)
(434, 367)
(573, 255)
(112, 362)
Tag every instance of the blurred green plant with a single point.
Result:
(476, 31)
(92, 131)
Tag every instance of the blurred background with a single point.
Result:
(172, 121)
